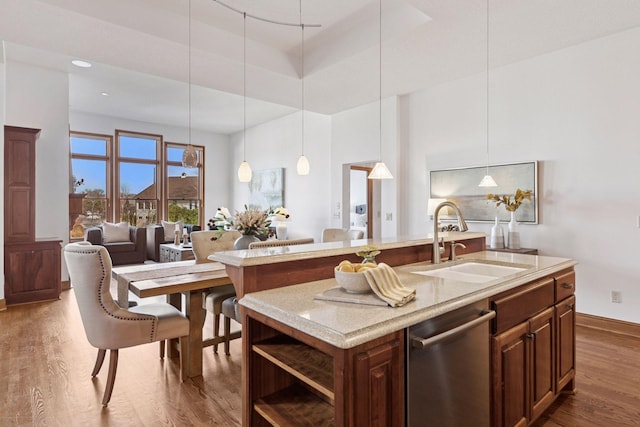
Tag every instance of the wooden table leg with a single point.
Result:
(174, 346)
(194, 347)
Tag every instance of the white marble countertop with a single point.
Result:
(245, 258)
(346, 325)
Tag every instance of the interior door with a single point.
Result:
(360, 198)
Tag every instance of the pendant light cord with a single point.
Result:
(487, 85)
(302, 75)
(189, 72)
(244, 87)
(380, 80)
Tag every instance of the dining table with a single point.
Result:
(176, 279)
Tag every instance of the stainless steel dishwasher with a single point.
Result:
(448, 369)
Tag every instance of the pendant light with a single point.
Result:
(244, 171)
(303, 163)
(487, 181)
(380, 170)
(190, 154)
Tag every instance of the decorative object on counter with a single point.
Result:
(251, 222)
(368, 254)
(385, 283)
(280, 216)
(449, 227)
(351, 277)
(512, 205)
(176, 237)
(497, 236)
(185, 238)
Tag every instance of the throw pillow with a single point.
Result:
(112, 233)
(170, 230)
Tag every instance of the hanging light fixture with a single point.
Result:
(487, 181)
(189, 155)
(380, 170)
(303, 163)
(244, 171)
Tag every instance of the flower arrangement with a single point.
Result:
(220, 220)
(511, 204)
(281, 214)
(252, 221)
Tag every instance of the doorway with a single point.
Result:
(360, 200)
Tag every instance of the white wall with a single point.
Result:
(356, 140)
(39, 98)
(576, 111)
(277, 144)
(217, 153)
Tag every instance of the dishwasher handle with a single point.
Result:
(422, 343)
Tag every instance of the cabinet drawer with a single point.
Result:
(565, 285)
(515, 308)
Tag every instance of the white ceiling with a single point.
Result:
(140, 50)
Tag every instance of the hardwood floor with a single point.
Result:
(46, 364)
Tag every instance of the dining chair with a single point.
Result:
(204, 243)
(277, 243)
(107, 325)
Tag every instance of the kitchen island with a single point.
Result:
(334, 363)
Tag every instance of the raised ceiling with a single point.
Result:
(140, 50)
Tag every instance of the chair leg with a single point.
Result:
(113, 366)
(162, 347)
(183, 357)
(216, 330)
(227, 333)
(99, 361)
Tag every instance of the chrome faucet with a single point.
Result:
(462, 225)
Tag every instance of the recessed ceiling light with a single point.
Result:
(80, 63)
(104, 93)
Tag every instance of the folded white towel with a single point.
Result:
(385, 283)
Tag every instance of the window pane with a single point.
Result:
(86, 145)
(183, 194)
(138, 147)
(174, 154)
(138, 212)
(93, 172)
(137, 179)
(138, 194)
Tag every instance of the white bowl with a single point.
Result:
(355, 283)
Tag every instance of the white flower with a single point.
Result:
(222, 214)
(281, 214)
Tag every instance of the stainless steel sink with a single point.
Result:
(474, 271)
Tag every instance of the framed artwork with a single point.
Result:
(461, 187)
(266, 189)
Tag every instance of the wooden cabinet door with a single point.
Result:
(541, 339)
(566, 352)
(510, 377)
(32, 272)
(19, 184)
(379, 395)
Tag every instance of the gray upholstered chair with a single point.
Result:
(204, 243)
(109, 327)
(130, 251)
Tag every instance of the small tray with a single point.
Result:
(340, 295)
